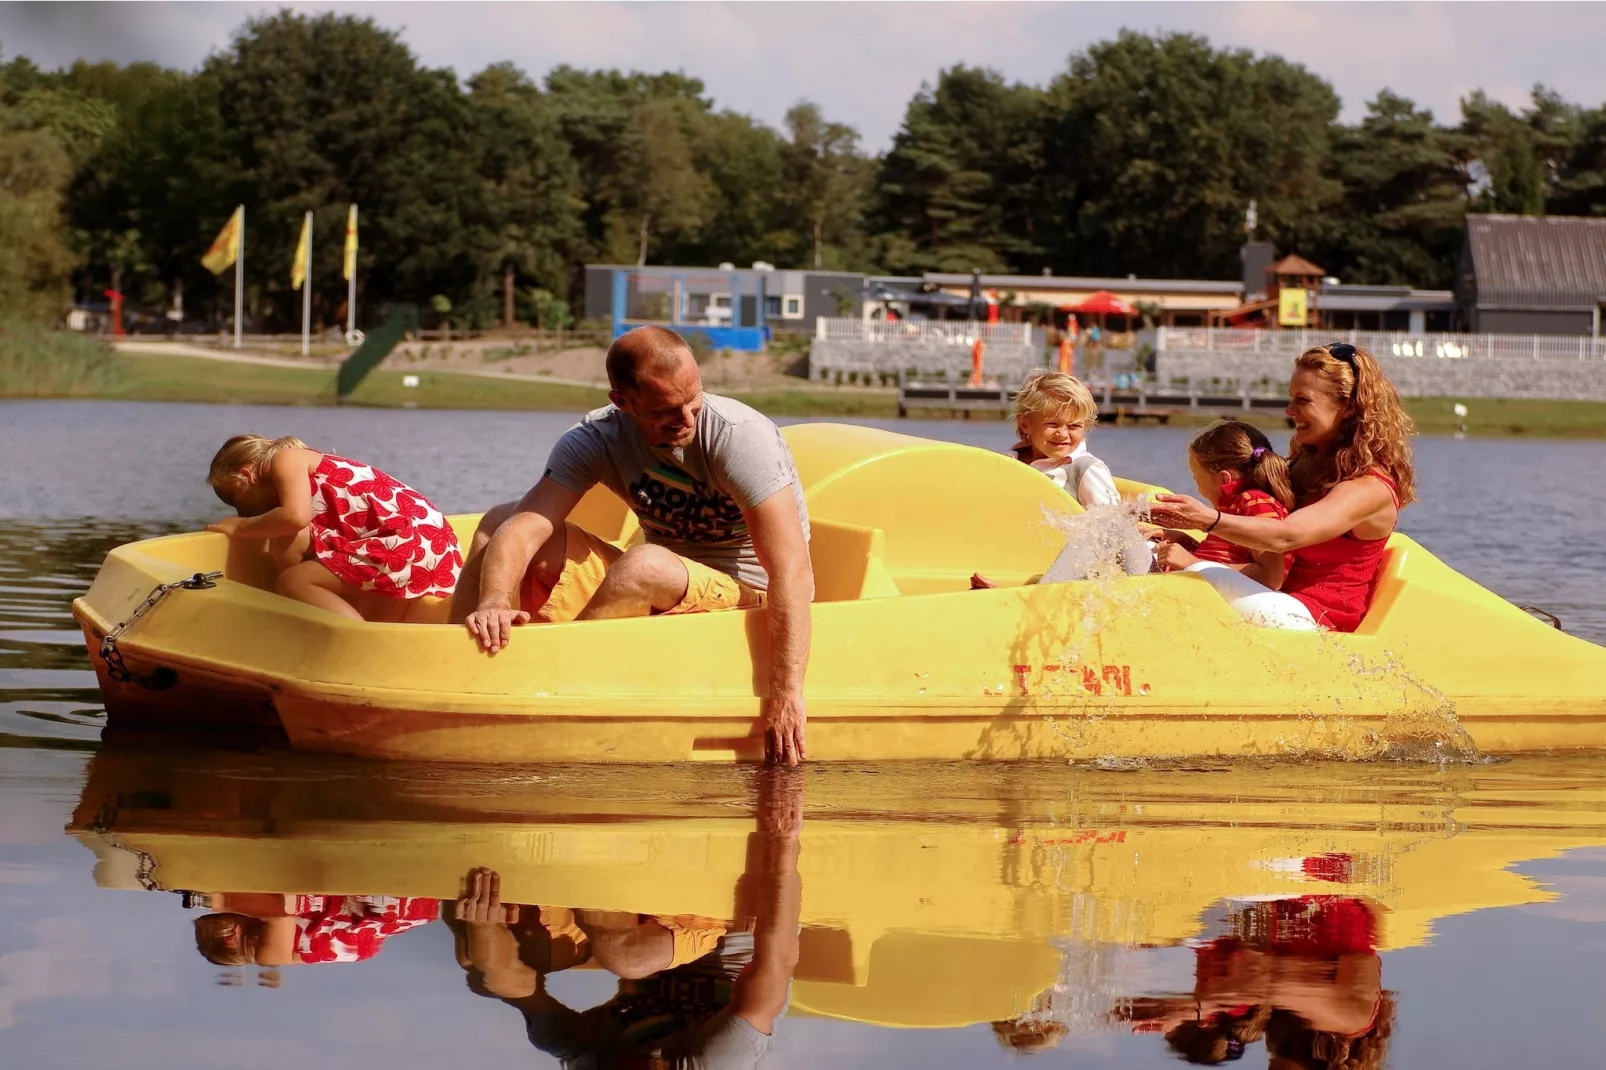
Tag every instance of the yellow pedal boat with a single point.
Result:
(907, 663)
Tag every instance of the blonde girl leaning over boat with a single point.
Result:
(344, 536)
(1350, 462)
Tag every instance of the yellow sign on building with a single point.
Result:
(1293, 308)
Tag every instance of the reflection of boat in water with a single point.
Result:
(932, 895)
(906, 662)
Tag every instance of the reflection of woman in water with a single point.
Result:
(692, 992)
(1303, 973)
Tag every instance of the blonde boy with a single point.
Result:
(1053, 413)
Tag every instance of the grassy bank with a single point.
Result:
(37, 363)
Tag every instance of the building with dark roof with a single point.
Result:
(1533, 275)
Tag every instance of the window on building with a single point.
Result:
(1397, 319)
(793, 308)
(1440, 321)
(772, 305)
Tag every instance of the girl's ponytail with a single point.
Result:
(1268, 471)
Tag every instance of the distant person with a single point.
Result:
(1350, 463)
(344, 536)
(721, 508)
(1236, 468)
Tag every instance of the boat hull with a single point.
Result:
(905, 663)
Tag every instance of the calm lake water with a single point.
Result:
(1282, 915)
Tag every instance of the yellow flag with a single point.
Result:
(349, 270)
(225, 248)
(1293, 310)
(298, 268)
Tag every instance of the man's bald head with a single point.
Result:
(657, 384)
(645, 352)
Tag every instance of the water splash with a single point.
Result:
(1103, 545)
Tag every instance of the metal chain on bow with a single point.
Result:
(116, 668)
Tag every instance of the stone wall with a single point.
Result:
(1415, 377)
(830, 360)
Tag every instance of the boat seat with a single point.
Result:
(946, 511)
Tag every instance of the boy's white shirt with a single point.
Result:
(1097, 487)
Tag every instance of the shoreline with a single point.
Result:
(155, 376)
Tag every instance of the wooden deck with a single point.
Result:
(1135, 403)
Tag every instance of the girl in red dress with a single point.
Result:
(1235, 467)
(345, 536)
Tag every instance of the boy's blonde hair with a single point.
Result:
(245, 451)
(1045, 393)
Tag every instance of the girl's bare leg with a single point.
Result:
(291, 549)
(315, 585)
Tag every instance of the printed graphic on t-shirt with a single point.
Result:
(672, 505)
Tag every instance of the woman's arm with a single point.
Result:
(1348, 505)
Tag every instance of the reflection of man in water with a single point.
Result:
(692, 993)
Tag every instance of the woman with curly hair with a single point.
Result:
(1350, 461)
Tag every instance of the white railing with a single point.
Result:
(1386, 343)
(927, 332)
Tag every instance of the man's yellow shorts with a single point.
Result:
(586, 560)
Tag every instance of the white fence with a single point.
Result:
(923, 332)
(1386, 343)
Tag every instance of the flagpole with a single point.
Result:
(351, 284)
(306, 292)
(239, 280)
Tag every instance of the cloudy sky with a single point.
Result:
(862, 62)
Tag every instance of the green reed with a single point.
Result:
(37, 362)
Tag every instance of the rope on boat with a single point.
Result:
(161, 679)
(1543, 614)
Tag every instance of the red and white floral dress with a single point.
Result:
(351, 928)
(378, 534)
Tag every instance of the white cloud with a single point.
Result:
(862, 61)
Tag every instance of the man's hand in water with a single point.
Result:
(784, 720)
(483, 903)
(493, 626)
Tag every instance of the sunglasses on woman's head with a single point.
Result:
(1343, 351)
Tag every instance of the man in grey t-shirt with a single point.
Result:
(720, 505)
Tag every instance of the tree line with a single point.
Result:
(1140, 157)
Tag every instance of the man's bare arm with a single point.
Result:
(783, 551)
(540, 513)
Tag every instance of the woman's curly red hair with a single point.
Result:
(1377, 431)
